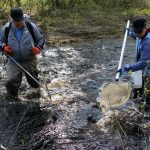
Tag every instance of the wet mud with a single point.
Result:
(72, 119)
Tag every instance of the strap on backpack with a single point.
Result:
(7, 29)
(30, 28)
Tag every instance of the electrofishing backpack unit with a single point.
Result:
(30, 28)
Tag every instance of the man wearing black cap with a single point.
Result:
(22, 45)
(142, 35)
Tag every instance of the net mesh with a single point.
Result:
(114, 94)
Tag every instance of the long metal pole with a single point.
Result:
(122, 51)
(24, 70)
(46, 87)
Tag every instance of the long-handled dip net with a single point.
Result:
(117, 93)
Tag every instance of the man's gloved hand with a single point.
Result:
(36, 50)
(122, 70)
(7, 50)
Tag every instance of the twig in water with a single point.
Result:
(17, 127)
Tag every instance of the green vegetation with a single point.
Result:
(80, 17)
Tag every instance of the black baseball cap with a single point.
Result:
(138, 25)
(16, 14)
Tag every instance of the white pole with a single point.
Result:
(123, 48)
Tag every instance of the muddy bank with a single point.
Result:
(55, 35)
(74, 73)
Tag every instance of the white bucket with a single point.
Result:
(137, 79)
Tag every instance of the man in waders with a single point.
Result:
(142, 36)
(22, 41)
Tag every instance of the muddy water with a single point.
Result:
(73, 73)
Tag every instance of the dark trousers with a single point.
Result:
(144, 91)
(15, 73)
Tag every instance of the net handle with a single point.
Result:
(122, 51)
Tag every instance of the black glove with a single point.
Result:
(123, 70)
(128, 29)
